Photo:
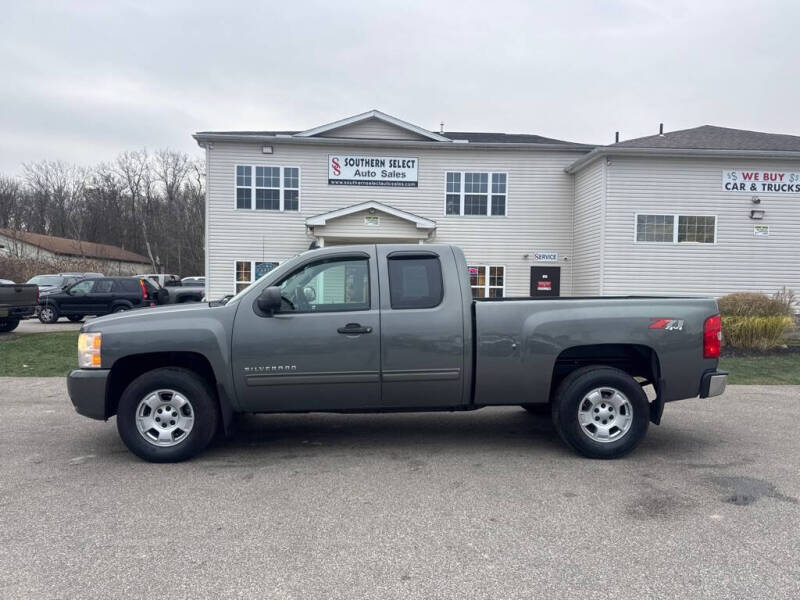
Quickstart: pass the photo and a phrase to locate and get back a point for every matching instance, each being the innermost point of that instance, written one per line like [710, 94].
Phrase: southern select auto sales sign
[388, 171]
[784, 182]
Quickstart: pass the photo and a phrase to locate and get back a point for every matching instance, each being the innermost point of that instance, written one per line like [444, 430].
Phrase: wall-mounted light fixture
[757, 214]
[756, 200]
[266, 149]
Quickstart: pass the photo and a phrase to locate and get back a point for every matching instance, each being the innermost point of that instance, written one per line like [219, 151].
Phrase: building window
[481, 193]
[487, 281]
[698, 230]
[244, 184]
[272, 188]
[691, 229]
[248, 271]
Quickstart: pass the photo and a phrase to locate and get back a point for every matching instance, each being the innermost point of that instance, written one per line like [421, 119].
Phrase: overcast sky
[83, 81]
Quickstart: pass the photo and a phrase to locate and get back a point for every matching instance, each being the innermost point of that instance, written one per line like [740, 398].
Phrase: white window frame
[236, 281]
[487, 286]
[676, 217]
[462, 187]
[253, 188]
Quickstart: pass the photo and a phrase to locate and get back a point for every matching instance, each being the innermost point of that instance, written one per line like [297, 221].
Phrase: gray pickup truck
[17, 301]
[393, 328]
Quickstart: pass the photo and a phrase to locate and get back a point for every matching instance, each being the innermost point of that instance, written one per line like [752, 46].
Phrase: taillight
[712, 337]
[144, 289]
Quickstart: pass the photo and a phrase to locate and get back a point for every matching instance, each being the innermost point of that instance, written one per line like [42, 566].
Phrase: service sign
[387, 171]
[782, 182]
[545, 256]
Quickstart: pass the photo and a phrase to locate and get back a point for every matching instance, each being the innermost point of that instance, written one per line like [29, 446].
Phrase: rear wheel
[167, 415]
[7, 325]
[601, 412]
[75, 318]
[120, 308]
[48, 314]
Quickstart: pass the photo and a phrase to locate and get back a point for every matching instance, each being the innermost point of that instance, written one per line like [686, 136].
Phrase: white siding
[373, 129]
[739, 261]
[588, 230]
[353, 227]
[539, 207]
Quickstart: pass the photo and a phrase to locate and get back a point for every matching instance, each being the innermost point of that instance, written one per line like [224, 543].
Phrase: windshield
[47, 280]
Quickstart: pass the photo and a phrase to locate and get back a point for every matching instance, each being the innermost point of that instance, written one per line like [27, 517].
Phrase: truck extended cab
[17, 301]
[393, 328]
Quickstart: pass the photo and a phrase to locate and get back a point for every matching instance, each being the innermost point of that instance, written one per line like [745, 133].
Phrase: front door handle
[354, 329]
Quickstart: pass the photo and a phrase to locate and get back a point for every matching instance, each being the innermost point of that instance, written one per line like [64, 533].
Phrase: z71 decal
[667, 324]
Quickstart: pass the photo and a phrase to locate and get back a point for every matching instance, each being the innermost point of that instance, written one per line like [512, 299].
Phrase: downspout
[603, 218]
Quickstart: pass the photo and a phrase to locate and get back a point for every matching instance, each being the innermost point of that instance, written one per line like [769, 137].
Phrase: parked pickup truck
[171, 290]
[17, 301]
[393, 328]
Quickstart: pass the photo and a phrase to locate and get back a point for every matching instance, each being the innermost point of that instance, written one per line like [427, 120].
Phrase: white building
[702, 211]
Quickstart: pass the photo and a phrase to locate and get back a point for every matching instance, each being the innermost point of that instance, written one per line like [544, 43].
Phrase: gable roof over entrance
[379, 116]
[420, 222]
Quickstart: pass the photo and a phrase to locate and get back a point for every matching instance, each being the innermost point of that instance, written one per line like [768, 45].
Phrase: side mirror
[269, 300]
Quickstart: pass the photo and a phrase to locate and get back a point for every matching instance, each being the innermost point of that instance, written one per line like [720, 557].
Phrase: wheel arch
[637, 360]
[128, 368]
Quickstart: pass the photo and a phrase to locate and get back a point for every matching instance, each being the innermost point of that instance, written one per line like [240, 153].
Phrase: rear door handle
[354, 329]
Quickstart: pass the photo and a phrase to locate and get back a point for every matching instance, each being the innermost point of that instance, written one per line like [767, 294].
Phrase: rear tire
[156, 393]
[75, 318]
[120, 308]
[48, 314]
[601, 412]
[7, 325]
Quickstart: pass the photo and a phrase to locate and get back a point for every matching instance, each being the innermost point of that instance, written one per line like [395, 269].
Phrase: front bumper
[87, 390]
[713, 383]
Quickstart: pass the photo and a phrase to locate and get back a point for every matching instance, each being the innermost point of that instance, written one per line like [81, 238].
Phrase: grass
[39, 354]
[55, 354]
[770, 370]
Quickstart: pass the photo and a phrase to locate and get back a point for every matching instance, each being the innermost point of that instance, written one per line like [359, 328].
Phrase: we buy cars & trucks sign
[784, 182]
[388, 171]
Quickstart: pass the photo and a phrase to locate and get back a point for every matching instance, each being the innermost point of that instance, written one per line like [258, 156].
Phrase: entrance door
[322, 348]
[545, 281]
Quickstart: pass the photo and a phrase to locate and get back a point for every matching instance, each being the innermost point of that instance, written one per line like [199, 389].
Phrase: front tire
[167, 415]
[601, 412]
[48, 314]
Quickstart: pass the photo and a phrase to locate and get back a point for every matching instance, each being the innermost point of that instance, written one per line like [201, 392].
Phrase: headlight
[89, 350]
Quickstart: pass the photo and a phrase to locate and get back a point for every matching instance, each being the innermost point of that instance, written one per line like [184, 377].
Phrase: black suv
[97, 297]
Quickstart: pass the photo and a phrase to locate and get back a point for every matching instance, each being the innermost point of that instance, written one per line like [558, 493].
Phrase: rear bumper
[713, 383]
[17, 312]
[87, 390]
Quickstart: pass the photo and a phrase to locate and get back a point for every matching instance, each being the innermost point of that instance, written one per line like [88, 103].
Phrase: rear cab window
[415, 281]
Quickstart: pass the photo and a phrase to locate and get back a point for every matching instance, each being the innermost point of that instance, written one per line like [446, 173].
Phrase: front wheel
[167, 415]
[48, 314]
[601, 412]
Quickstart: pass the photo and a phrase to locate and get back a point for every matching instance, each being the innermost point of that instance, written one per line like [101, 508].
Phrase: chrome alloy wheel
[164, 418]
[605, 414]
[46, 314]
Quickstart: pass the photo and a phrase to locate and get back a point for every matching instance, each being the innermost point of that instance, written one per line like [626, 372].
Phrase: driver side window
[335, 284]
[82, 288]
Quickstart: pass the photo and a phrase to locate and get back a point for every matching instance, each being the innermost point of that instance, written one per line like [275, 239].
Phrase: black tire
[203, 403]
[75, 318]
[572, 393]
[120, 308]
[540, 408]
[48, 314]
[7, 325]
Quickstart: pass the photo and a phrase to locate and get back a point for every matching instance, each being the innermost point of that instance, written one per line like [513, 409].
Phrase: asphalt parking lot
[36, 326]
[487, 504]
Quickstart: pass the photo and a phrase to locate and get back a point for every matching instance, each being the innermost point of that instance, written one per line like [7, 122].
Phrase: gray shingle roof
[476, 137]
[709, 137]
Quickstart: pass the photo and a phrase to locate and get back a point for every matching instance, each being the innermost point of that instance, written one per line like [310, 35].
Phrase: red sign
[544, 286]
